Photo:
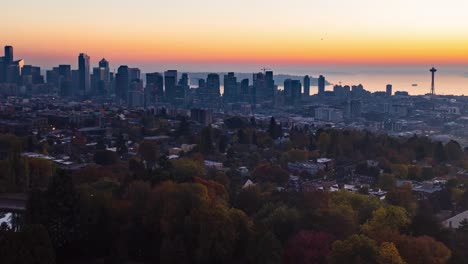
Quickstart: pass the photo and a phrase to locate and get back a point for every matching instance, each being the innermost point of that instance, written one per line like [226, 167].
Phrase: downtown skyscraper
[84, 77]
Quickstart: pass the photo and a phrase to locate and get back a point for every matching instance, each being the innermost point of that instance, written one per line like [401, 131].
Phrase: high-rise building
[263, 86]
[122, 82]
[33, 73]
[10, 70]
[213, 86]
[321, 85]
[231, 88]
[154, 87]
[389, 90]
[134, 74]
[64, 82]
[105, 64]
[8, 55]
[306, 86]
[170, 82]
[84, 78]
[292, 91]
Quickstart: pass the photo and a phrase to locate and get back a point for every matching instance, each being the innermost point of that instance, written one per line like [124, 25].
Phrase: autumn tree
[388, 254]
[307, 247]
[357, 249]
[266, 172]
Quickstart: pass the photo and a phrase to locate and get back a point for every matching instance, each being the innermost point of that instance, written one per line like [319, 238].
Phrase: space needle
[433, 71]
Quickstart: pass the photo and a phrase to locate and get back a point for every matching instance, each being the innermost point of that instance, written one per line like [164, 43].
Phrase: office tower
[321, 85]
[170, 82]
[389, 90]
[105, 65]
[33, 73]
[263, 86]
[231, 88]
[134, 74]
[99, 82]
[292, 91]
[75, 81]
[213, 84]
[2, 70]
[306, 86]
[122, 83]
[13, 71]
[65, 71]
[10, 70]
[184, 80]
[182, 90]
[201, 83]
[154, 87]
[270, 85]
[52, 77]
[64, 81]
[84, 78]
[8, 55]
[357, 91]
[259, 87]
[244, 90]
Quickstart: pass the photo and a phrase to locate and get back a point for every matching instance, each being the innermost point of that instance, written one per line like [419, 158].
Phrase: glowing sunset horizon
[266, 32]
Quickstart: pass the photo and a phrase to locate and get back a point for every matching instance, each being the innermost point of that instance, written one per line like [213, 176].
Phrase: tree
[249, 200]
[266, 172]
[386, 221]
[439, 153]
[105, 157]
[453, 150]
[206, 141]
[185, 169]
[307, 247]
[235, 122]
[149, 151]
[403, 197]
[281, 220]
[264, 249]
[62, 210]
[40, 171]
[388, 254]
[357, 249]
[422, 250]
[184, 129]
[387, 181]
[30, 245]
[274, 130]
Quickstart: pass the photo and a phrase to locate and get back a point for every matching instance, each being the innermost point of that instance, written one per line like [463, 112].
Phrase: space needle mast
[433, 71]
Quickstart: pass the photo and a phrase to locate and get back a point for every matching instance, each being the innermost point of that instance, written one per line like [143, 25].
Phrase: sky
[240, 32]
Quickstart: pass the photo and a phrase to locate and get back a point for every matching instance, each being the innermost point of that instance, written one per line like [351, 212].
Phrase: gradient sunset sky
[316, 32]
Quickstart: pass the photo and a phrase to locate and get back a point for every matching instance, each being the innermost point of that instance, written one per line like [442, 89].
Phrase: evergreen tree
[62, 210]
[206, 141]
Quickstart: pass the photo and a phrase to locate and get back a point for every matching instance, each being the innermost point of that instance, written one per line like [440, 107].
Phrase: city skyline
[255, 32]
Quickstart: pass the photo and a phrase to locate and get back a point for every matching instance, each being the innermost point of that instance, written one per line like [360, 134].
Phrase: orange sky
[255, 31]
